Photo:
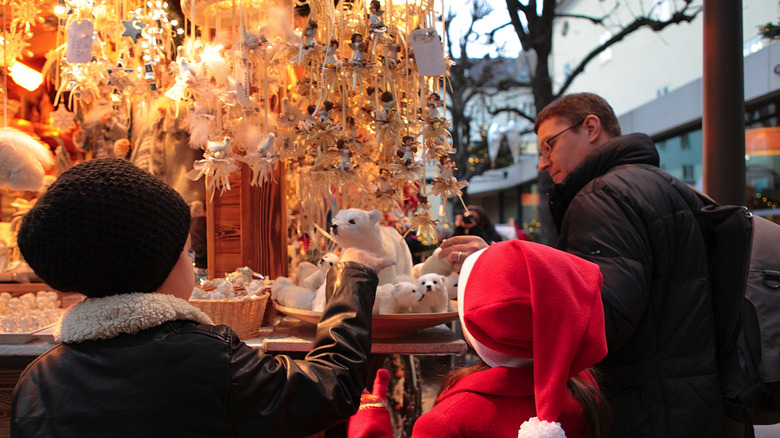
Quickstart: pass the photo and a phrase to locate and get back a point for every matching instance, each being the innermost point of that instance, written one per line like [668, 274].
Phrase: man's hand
[457, 248]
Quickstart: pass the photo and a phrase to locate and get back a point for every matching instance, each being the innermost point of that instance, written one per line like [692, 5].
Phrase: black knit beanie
[105, 227]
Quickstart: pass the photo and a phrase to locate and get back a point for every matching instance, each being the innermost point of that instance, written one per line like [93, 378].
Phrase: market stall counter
[285, 334]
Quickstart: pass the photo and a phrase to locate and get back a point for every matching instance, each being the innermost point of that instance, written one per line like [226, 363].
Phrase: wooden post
[247, 226]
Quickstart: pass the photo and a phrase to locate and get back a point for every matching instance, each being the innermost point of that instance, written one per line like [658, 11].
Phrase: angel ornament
[446, 184]
[375, 12]
[345, 170]
[359, 51]
[423, 222]
[435, 128]
[392, 49]
[405, 163]
[308, 42]
[387, 125]
[345, 165]
[358, 61]
[387, 197]
[332, 61]
[324, 112]
[433, 103]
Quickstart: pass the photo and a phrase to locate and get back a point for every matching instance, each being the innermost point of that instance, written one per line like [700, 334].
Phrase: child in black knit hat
[136, 359]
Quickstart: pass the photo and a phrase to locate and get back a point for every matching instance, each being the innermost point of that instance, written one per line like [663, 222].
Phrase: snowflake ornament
[13, 46]
[26, 14]
[62, 119]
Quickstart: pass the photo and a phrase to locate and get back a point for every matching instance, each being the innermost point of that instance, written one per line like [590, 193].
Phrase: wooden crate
[247, 226]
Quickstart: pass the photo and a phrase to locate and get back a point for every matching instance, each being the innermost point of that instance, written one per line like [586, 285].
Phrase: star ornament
[133, 29]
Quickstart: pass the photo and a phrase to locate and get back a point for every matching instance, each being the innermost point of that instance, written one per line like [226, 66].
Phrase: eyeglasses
[546, 148]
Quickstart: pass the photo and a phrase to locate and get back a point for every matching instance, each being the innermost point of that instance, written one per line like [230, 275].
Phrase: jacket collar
[108, 317]
[618, 151]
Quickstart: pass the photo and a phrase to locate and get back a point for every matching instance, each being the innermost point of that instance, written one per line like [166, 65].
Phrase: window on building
[685, 142]
[688, 174]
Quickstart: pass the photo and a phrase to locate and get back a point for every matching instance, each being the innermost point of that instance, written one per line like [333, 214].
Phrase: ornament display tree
[280, 112]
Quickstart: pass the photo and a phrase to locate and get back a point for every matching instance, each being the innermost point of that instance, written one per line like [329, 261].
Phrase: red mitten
[372, 419]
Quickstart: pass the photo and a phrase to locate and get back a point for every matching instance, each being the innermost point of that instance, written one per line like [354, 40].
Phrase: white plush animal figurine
[452, 285]
[355, 228]
[435, 298]
[317, 278]
[23, 160]
[285, 292]
[433, 264]
[396, 298]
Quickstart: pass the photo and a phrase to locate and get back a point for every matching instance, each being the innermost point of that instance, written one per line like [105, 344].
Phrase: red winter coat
[493, 402]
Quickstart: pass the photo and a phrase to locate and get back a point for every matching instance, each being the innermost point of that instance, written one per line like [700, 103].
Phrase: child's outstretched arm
[281, 396]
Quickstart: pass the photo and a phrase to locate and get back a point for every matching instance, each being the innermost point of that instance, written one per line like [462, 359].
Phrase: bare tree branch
[594, 20]
[640, 22]
[514, 110]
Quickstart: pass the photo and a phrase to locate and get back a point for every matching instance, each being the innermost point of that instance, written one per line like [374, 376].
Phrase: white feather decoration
[23, 160]
[213, 61]
[200, 127]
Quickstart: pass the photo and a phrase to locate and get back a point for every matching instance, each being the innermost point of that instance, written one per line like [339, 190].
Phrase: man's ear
[593, 128]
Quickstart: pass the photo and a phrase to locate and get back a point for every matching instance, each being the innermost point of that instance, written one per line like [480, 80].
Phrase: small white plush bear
[355, 228]
[433, 264]
[435, 298]
[396, 298]
[452, 285]
[285, 292]
[317, 278]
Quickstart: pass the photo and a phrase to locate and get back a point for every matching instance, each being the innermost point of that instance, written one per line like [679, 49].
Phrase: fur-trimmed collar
[107, 317]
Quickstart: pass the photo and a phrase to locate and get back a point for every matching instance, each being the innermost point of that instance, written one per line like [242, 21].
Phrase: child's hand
[366, 258]
[372, 419]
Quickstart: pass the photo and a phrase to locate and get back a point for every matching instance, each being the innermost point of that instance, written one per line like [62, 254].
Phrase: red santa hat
[519, 303]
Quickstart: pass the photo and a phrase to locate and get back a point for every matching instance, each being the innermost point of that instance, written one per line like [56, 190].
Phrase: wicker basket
[243, 316]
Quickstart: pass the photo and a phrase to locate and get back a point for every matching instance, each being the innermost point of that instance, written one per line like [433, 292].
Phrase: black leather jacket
[188, 379]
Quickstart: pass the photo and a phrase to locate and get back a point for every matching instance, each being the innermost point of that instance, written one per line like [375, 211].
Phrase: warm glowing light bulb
[60, 11]
[25, 76]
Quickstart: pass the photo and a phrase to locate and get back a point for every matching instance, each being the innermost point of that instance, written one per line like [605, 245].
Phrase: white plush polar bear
[316, 278]
[452, 285]
[396, 298]
[435, 298]
[433, 264]
[289, 294]
[355, 228]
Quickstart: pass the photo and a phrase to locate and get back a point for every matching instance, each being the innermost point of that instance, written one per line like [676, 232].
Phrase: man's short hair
[575, 107]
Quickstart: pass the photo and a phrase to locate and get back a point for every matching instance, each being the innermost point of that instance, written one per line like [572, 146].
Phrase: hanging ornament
[62, 119]
[217, 165]
[133, 29]
[262, 160]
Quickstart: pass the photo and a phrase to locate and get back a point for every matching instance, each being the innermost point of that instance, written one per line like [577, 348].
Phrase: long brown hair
[597, 411]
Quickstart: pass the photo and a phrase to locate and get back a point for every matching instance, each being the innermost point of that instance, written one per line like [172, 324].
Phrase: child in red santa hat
[534, 315]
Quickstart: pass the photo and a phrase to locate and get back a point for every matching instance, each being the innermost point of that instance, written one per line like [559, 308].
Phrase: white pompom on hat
[520, 302]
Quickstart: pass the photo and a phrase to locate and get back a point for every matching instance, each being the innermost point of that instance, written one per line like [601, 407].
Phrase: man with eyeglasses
[614, 206]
